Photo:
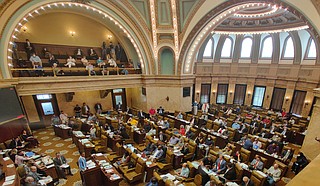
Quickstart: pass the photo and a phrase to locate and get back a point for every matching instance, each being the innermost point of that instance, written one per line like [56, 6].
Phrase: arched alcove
[166, 61]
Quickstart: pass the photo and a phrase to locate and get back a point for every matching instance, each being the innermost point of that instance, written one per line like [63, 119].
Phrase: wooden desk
[149, 170]
[92, 177]
[177, 159]
[9, 171]
[86, 148]
[106, 177]
[296, 138]
[75, 139]
[85, 127]
[112, 143]
[138, 137]
[63, 133]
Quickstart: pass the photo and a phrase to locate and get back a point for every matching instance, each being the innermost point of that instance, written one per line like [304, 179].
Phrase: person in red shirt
[152, 111]
[182, 130]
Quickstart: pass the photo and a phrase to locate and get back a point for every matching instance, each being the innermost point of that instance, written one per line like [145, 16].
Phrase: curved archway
[166, 61]
[200, 30]
[95, 10]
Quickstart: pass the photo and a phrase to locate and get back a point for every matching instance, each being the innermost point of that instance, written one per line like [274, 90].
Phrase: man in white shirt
[274, 174]
[64, 118]
[157, 153]
[36, 61]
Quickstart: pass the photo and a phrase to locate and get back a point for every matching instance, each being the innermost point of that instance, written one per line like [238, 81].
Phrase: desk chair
[137, 174]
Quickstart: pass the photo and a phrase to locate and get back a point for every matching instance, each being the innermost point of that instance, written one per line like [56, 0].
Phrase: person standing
[82, 162]
[98, 108]
[29, 48]
[104, 50]
[77, 110]
[85, 109]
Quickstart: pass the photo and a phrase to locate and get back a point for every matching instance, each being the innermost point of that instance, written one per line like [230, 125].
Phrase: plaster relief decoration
[305, 73]
[283, 72]
[263, 70]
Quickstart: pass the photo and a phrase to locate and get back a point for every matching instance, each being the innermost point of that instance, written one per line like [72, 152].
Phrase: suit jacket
[27, 48]
[230, 174]
[15, 144]
[97, 106]
[60, 161]
[140, 115]
[259, 166]
[204, 174]
[164, 138]
[223, 166]
[84, 110]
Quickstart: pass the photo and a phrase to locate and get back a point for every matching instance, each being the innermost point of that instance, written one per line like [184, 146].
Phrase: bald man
[184, 171]
[33, 173]
[246, 182]
[274, 174]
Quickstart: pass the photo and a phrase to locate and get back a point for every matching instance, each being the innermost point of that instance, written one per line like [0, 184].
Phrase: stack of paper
[114, 177]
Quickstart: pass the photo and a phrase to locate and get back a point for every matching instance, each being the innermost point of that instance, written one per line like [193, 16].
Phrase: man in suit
[220, 165]
[140, 114]
[29, 48]
[246, 182]
[230, 173]
[98, 108]
[16, 143]
[85, 109]
[160, 111]
[33, 173]
[256, 164]
[162, 137]
[58, 161]
[158, 153]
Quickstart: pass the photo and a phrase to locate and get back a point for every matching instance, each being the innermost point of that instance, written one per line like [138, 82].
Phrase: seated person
[248, 144]
[109, 127]
[100, 62]
[286, 155]
[84, 61]
[220, 165]
[182, 130]
[157, 154]
[125, 159]
[70, 62]
[236, 126]
[256, 163]
[273, 149]
[227, 150]
[230, 173]
[46, 53]
[166, 124]
[237, 157]
[208, 162]
[16, 143]
[36, 61]
[300, 163]
[78, 53]
[209, 141]
[162, 137]
[173, 140]
[112, 62]
[55, 120]
[151, 132]
[246, 182]
[274, 174]
[184, 171]
[92, 54]
[29, 138]
[92, 118]
[33, 173]
[52, 61]
[153, 182]
[93, 132]
[179, 116]
[150, 147]
[256, 145]
[20, 158]
[147, 127]
[185, 149]
[190, 134]
[223, 131]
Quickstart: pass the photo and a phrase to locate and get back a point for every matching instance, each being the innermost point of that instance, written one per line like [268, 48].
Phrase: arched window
[311, 50]
[267, 47]
[246, 47]
[208, 51]
[226, 49]
[288, 51]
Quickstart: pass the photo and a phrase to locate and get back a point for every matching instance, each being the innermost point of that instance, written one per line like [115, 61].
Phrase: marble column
[311, 147]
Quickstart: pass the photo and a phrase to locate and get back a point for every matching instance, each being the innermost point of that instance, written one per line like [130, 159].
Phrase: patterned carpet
[51, 144]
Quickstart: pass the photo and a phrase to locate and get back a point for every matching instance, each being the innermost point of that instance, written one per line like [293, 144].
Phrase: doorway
[119, 100]
[47, 106]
